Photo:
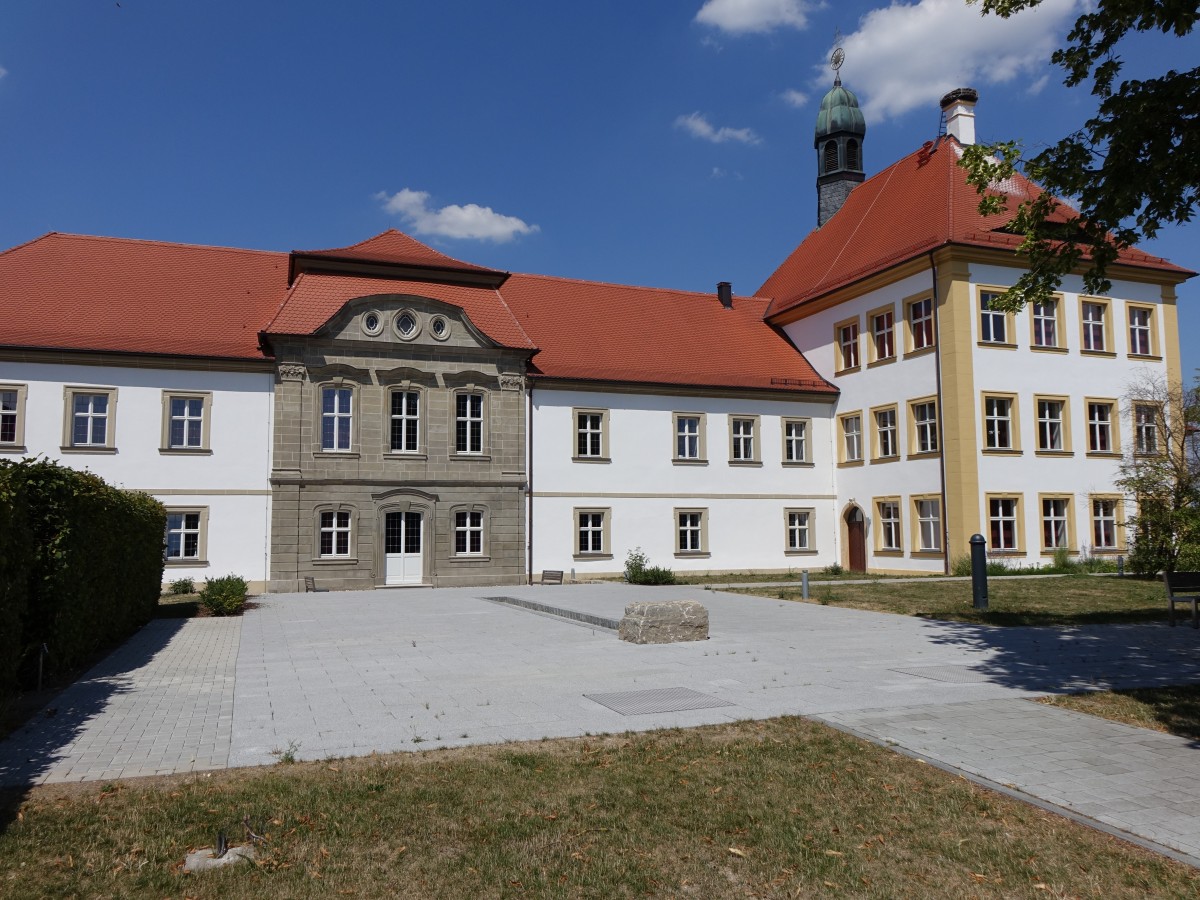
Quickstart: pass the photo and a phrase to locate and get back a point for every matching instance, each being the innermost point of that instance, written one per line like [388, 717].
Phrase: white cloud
[470, 222]
[697, 125]
[909, 55]
[794, 98]
[751, 16]
[3, 71]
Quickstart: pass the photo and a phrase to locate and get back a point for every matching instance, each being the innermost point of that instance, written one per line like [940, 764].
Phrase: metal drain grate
[948, 674]
[657, 700]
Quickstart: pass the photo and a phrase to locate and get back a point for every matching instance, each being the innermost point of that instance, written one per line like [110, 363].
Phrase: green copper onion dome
[839, 114]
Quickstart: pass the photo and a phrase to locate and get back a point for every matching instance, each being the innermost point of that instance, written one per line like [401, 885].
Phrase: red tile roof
[315, 298]
[74, 292]
[915, 205]
[395, 247]
[609, 332]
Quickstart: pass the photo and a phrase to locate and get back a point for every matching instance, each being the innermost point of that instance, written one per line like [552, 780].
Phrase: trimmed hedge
[81, 565]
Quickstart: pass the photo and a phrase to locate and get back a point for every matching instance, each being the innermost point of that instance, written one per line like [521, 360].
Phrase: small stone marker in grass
[664, 622]
[206, 859]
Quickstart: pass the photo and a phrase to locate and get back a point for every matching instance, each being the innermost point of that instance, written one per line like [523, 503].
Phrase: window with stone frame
[888, 512]
[333, 535]
[1003, 522]
[920, 322]
[1100, 427]
[404, 421]
[468, 532]
[925, 427]
[468, 422]
[337, 416]
[795, 440]
[799, 530]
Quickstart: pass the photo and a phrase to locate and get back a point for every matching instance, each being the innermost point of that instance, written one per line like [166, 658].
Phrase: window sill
[1146, 357]
[590, 459]
[928, 454]
[335, 454]
[751, 463]
[679, 461]
[1039, 349]
[797, 464]
[876, 363]
[585, 557]
[401, 456]
[799, 552]
[1001, 451]
[470, 457]
[927, 554]
[920, 351]
[180, 563]
[1107, 354]
[335, 560]
[1007, 551]
[12, 448]
[881, 460]
[850, 464]
[1103, 454]
[108, 450]
[692, 554]
[469, 558]
[896, 554]
[847, 371]
[185, 451]
[996, 345]
[1107, 551]
[1049, 552]
[1055, 453]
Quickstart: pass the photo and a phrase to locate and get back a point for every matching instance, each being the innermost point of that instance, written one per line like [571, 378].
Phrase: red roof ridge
[110, 239]
[635, 287]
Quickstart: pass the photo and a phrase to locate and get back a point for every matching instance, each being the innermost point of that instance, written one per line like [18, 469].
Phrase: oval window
[440, 328]
[371, 323]
[406, 324]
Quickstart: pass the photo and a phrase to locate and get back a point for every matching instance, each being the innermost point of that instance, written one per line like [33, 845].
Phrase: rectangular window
[1056, 532]
[689, 437]
[1140, 331]
[405, 422]
[592, 532]
[798, 535]
[795, 440]
[852, 438]
[1045, 324]
[12, 416]
[1145, 428]
[889, 525]
[468, 533]
[1104, 523]
[187, 423]
[887, 444]
[1002, 522]
[883, 335]
[468, 423]
[929, 524]
[335, 533]
[1050, 425]
[1100, 427]
[690, 531]
[993, 323]
[920, 323]
[1092, 321]
[925, 430]
[741, 434]
[589, 434]
[998, 424]
[183, 536]
[89, 420]
[847, 338]
[336, 417]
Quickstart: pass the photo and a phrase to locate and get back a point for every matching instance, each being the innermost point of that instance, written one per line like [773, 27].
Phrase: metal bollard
[1120, 567]
[804, 584]
[979, 595]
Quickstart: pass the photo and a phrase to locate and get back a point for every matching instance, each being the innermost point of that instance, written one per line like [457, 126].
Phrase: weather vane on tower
[839, 56]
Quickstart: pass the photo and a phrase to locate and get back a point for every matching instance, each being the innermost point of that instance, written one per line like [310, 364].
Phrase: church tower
[839, 145]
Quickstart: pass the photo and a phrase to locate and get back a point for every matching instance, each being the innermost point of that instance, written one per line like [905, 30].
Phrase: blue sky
[665, 143]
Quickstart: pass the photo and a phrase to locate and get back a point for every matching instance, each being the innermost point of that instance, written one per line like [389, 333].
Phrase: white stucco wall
[642, 486]
[231, 481]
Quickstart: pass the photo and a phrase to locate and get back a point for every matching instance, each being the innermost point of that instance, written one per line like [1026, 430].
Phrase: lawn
[1175, 710]
[782, 808]
[1065, 600]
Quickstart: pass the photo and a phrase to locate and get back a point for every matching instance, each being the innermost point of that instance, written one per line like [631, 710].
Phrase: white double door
[403, 540]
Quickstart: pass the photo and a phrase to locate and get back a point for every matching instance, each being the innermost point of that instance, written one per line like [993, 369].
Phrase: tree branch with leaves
[1132, 168]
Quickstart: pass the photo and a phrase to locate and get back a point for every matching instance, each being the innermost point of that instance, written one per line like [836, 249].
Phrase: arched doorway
[856, 539]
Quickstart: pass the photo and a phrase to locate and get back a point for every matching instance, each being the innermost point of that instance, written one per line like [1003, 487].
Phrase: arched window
[831, 157]
[853, 163]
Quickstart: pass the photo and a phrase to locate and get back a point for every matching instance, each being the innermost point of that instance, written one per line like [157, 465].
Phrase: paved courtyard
[337, 674]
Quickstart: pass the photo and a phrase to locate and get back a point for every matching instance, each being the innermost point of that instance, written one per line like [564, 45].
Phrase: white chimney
[958, 112]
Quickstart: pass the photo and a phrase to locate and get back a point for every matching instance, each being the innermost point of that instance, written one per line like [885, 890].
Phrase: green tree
[1161, 470]
[1132, 168]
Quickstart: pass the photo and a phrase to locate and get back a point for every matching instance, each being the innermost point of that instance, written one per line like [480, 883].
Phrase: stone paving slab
[1133, 779]
[161, 703]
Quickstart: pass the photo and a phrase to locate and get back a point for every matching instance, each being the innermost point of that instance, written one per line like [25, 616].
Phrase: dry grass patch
[1175, 710]
[1065, 600]
[783, 808]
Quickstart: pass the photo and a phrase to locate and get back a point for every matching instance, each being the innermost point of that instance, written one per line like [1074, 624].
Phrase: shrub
[224, 596]
[183, 586]
[835, 569]
[961, 566]
[639, 571]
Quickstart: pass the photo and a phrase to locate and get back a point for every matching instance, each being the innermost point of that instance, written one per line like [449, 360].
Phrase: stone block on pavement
[664, 622]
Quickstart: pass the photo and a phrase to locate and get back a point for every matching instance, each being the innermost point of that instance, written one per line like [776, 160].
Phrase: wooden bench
[310, 586]
[551, 576]
[1183, 587]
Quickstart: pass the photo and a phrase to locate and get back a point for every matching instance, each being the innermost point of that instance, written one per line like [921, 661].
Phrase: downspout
[529, 488]
[937, 362]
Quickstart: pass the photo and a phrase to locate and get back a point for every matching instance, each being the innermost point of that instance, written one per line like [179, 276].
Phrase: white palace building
[383, 414]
